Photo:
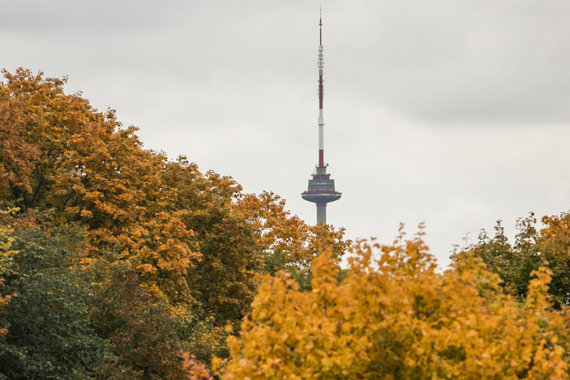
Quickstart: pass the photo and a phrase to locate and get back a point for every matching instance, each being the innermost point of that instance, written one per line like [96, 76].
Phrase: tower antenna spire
[321, 64]
[321, 187]
[321, 26]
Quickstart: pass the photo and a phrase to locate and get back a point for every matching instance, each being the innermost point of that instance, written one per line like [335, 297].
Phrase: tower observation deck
[321, 188]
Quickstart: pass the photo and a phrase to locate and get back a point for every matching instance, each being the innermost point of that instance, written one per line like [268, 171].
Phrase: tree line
[118, 263]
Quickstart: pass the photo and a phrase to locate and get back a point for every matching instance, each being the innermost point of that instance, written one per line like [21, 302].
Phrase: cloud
[450, 112]
[441, 62]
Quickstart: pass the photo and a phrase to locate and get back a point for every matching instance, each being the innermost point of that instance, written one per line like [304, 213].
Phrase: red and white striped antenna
[321, 90]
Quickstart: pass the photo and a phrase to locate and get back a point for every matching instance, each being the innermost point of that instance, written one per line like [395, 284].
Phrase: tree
[532, 248]
[60, 154]
[143, 334]
[49, 336]
[286, 242]
[554, 247]
[224, 278]
[240, 237]
[394, 316]
[195, 243]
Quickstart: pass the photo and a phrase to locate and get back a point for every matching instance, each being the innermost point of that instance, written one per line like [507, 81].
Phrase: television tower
[321, 187]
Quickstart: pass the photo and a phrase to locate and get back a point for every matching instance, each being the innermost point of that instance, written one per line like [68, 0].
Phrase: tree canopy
[393, 316]
[188, 248]
[117, 262]
[533, 246]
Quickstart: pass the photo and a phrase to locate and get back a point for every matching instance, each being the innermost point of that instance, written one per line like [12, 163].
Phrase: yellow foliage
[285, 234]
[6, 254]
[394, 316]
[6, 239]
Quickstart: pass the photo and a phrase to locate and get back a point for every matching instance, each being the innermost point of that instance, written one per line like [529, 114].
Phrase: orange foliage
[194, 369]
[285, 234]
[90, 171]
[194, 238]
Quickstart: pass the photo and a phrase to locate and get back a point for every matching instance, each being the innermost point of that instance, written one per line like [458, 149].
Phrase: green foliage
[142, 333]
[532, 248]
[48, 336]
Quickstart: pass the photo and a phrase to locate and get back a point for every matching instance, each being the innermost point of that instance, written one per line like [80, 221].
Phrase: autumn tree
[195, 243]
[91, 172]
[125, 264]
[286, 242]
[240, 237]
[193, 237]
[532, 247]
[224, 278]
[394, 316]
[554, 250]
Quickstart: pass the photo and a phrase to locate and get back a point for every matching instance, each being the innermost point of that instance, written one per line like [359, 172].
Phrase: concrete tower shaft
[321, 188]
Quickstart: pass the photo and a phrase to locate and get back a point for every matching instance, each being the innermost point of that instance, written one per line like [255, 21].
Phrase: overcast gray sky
[452, 113]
